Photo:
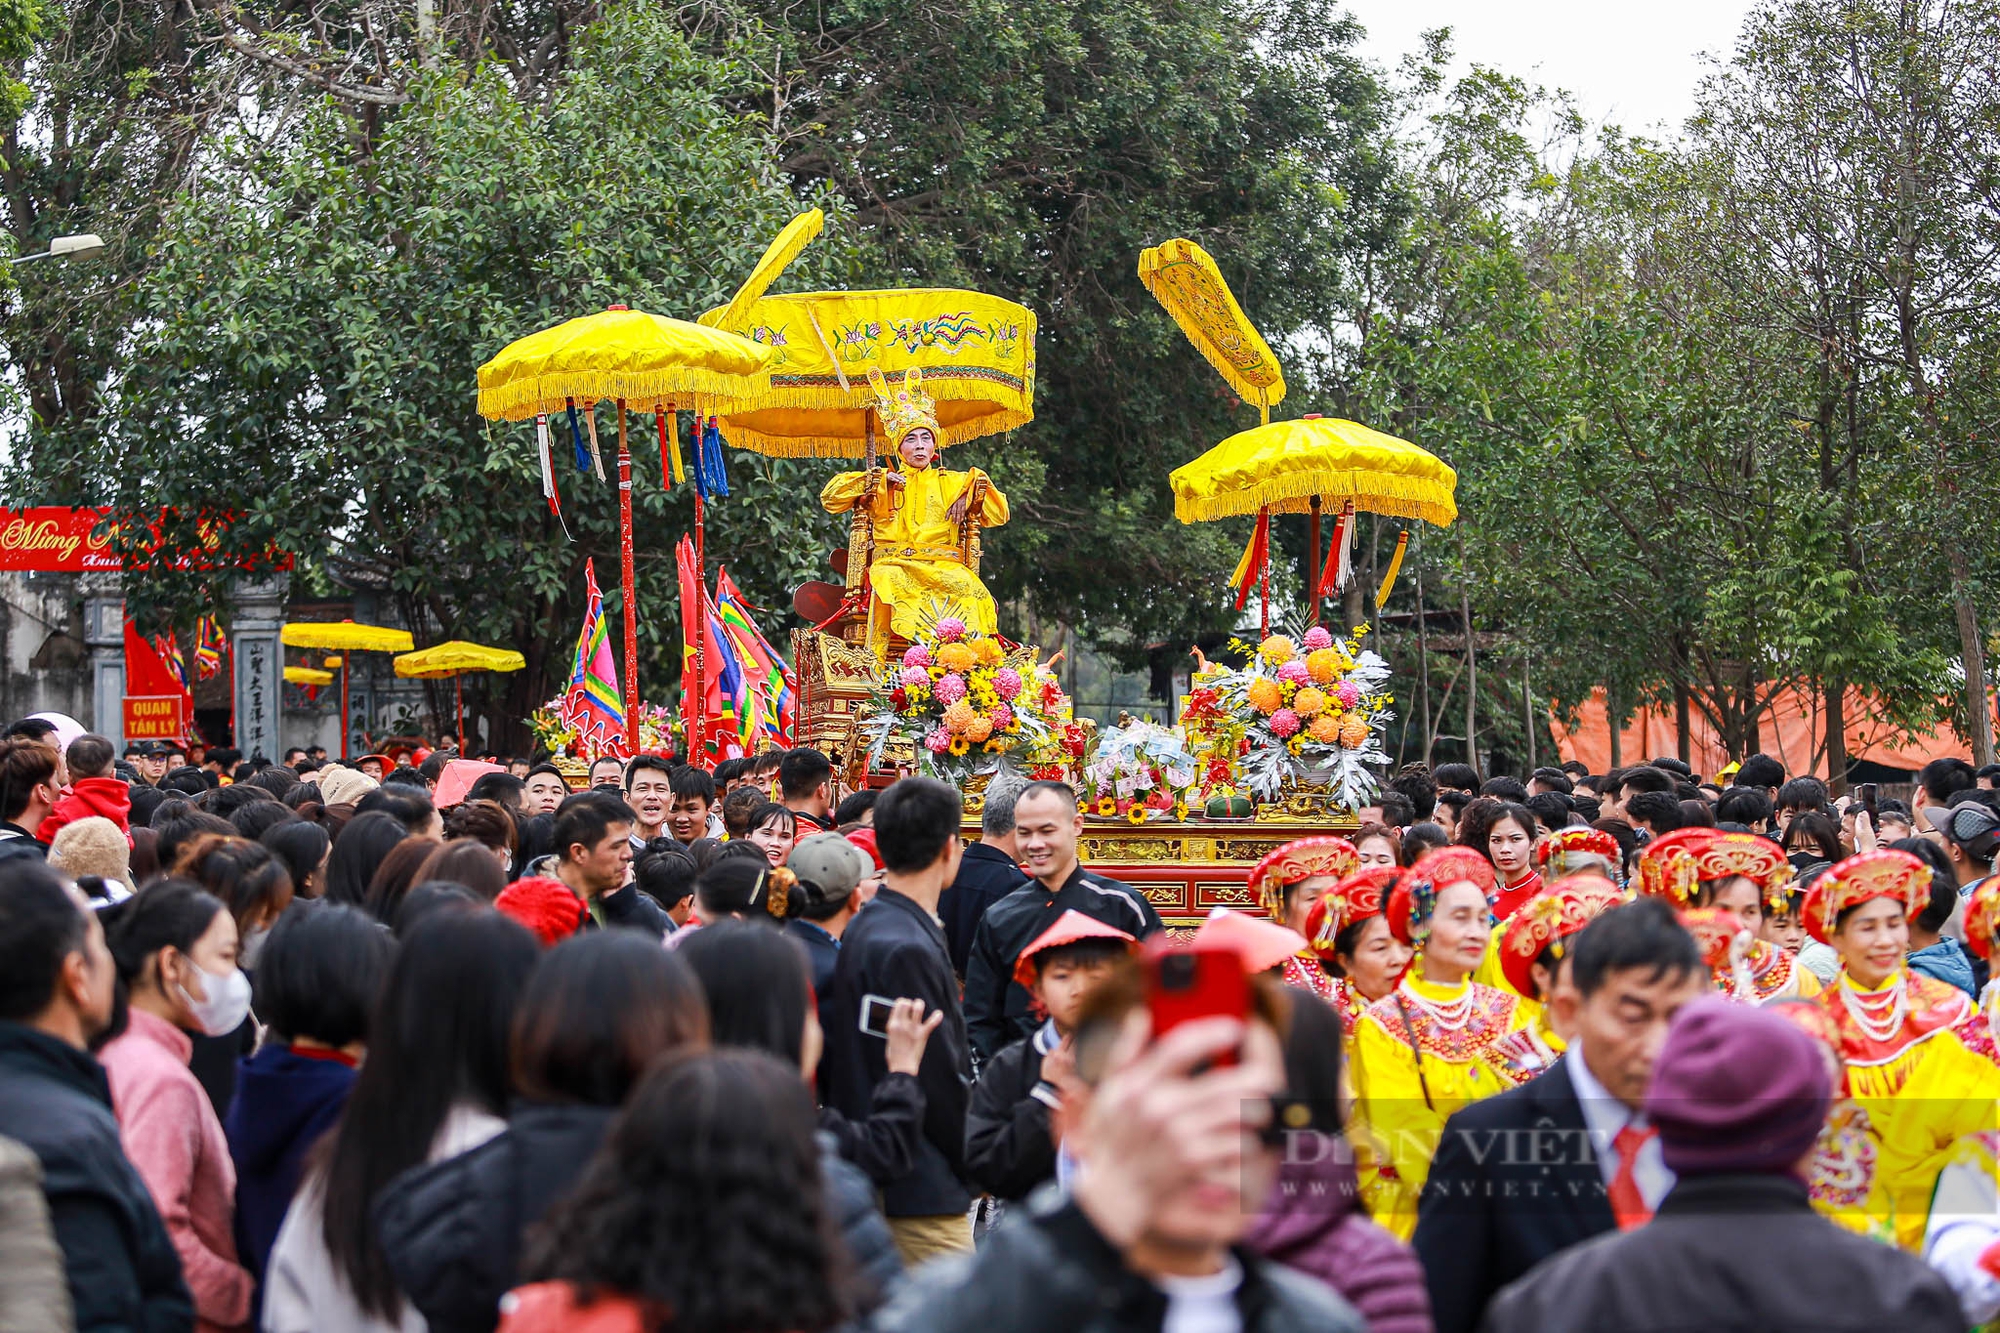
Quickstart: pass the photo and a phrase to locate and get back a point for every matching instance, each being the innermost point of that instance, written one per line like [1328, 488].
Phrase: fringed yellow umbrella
[345, 636]
[1184, 279]
[977, 354]
[455, 658]
[1295, 467]
[634, 358]
[313, 676]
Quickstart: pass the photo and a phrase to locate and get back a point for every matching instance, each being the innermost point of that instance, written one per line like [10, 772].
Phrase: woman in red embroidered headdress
[1920, 1056]
[1288, 883]
[1351, 943]
[1429, 1046]
[1723, 884]
[1580, 851]
[1533, 944]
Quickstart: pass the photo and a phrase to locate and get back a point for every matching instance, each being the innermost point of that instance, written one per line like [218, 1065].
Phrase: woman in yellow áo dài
[1919, 1056]
[1351, 943]
[1429, 1047]
[918, 572]
[1844, 1177]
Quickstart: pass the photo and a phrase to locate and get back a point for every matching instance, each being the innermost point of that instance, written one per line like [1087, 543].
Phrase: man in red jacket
[94, 789]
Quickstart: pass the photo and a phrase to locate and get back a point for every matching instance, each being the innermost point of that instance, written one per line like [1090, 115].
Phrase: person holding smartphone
[896, 950]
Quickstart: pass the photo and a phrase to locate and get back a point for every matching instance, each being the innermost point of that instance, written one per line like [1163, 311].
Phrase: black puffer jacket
[1048, 1268]
[452, 1230]
[123, 1272]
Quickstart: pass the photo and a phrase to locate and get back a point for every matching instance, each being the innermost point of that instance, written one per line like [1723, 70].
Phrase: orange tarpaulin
[1791, 730]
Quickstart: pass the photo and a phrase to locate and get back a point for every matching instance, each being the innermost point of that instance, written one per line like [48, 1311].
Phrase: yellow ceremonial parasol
[346, 636]
[630, 357]
[1287, 465]
[619, 354]
[298, 675]
[1294, 467]
[1184, 279]
[455, 658]
[977, 354]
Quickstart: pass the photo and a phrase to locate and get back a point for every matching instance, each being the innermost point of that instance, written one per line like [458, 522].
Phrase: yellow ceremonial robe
[917, 570]
[1404, 1096]
[1932, 1082]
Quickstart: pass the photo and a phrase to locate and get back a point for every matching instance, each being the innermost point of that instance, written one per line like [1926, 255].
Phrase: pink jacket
[171, 1133]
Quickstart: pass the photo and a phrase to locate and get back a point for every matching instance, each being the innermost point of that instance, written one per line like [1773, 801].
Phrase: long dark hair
[601, 1007]
[357, 850]
[252, 880]
[301, 845]
[438, 1037]
[758, 983]
[705, 1201]
[393, 878]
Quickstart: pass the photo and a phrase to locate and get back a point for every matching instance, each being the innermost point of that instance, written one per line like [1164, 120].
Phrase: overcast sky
[1636, 65]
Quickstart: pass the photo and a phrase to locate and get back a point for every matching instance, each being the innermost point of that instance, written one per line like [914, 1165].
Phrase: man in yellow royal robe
[918, 572]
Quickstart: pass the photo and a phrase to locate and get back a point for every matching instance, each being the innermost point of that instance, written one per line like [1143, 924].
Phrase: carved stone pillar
[260, 662]
[104, 636]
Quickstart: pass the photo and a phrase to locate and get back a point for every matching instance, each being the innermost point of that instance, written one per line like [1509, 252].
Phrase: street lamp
[67, 247]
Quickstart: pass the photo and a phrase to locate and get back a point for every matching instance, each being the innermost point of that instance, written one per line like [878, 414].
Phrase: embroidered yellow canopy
[1283, 465]
[346, 636]
[1183, 278]
[456, 657]
[618, 353]
[977, 354]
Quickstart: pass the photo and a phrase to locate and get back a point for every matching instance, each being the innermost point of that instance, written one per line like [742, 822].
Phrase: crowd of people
[373, 1046]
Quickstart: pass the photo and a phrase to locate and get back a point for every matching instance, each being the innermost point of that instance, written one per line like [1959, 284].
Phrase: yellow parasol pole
[626, 582]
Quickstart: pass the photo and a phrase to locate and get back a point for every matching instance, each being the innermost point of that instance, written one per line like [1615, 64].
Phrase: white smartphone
[875, 1015]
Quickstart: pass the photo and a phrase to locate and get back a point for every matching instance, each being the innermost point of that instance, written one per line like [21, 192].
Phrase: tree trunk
[1528, 710]
[1424, 664]
[1683, 741]
[1611, 725]
[1471, 665]
[1978, 714]
[1836, 736]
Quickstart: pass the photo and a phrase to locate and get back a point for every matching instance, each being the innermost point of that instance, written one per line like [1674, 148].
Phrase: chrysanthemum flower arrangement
[967, 704]
[1301, 714]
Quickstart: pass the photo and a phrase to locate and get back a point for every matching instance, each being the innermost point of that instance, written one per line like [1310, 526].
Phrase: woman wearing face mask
[1432, 1045]
[255, 884]
[175, 947]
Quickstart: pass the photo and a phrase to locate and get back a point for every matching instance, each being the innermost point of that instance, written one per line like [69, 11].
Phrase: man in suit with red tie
[1569, 1154]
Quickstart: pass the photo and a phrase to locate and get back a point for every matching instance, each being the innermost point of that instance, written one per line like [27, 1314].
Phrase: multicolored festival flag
[210, 643]
[716, 722]
[773, 692]
[168, 646]
[592, 705]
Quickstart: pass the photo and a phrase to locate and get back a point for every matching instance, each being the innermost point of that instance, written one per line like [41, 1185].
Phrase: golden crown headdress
[905, 409]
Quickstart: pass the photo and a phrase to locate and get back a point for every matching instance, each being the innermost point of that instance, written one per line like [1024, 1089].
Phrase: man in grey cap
[830, 871]
[1971, 832]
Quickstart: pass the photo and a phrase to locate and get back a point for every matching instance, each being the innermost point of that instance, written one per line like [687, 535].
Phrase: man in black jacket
[1172, 1170]
[1047, 824]
[986, 874]
[1739, 1099]
[56, 982]
[593, 860]
[30, 783]
[895, 949]
[1554, 1162]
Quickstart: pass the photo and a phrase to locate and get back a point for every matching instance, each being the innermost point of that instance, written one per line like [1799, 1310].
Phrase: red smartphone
[1190, 981]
